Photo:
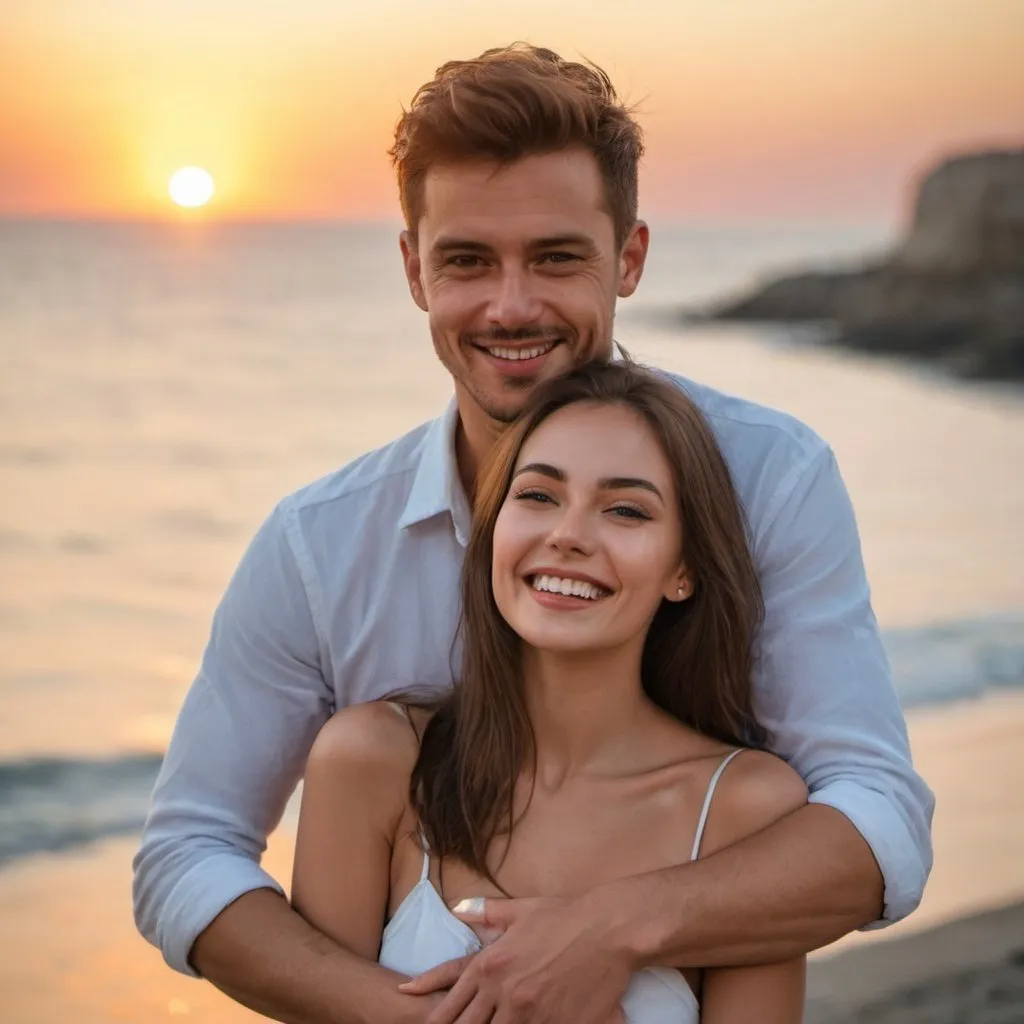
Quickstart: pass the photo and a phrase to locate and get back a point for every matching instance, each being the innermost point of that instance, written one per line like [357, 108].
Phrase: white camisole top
[424, 933]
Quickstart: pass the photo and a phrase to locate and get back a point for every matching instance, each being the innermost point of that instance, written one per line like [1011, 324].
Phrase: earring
[680, 592]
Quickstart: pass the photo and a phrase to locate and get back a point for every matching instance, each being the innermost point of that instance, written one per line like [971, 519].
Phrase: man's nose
[514, 303]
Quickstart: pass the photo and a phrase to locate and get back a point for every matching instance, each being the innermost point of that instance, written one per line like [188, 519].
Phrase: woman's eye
[538, 496]
[629, 512]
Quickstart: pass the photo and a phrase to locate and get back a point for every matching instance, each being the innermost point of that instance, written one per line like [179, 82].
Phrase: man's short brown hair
[513, 102]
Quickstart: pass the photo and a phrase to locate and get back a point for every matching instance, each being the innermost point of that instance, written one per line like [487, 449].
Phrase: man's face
[519, 272]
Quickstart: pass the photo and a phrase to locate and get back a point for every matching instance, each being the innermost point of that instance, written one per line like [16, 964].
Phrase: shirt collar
[436, 488]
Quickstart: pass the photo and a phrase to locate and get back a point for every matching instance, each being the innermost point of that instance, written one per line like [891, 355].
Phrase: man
[518, 178]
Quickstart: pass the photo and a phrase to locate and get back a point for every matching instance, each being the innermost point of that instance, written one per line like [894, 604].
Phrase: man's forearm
[799, 884]
[262, 954]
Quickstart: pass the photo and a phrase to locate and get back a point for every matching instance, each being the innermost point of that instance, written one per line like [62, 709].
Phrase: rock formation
[953, 289]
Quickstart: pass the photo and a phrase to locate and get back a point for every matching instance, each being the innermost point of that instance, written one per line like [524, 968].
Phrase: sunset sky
[753, 109]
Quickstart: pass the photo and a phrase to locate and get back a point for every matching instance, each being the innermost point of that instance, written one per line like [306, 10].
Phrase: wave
[53, 804]
[957, 660]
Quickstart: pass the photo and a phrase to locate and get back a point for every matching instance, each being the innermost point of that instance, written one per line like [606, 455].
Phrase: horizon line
[200, 223]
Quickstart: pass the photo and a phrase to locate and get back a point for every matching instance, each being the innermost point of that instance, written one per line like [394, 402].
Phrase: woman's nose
[572, 533]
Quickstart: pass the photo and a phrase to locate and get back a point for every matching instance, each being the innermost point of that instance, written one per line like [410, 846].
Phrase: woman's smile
[565, 591]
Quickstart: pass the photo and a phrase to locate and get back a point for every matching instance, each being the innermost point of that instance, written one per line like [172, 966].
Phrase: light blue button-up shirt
[350, 591]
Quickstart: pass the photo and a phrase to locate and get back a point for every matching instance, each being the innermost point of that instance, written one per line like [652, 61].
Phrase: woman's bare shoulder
[755, 790]
[376, 737]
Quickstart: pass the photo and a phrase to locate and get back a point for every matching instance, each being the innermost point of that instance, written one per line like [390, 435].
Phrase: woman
[610, 602]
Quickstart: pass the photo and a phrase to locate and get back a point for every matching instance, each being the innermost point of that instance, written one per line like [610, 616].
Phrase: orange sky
[753, 108]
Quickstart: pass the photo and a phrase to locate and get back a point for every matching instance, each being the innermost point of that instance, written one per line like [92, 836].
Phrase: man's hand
[552, 963]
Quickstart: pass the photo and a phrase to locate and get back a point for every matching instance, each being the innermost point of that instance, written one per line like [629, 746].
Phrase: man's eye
[464, 262]
[559, 257]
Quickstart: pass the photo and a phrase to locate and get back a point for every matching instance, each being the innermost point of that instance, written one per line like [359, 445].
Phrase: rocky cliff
[953, 290]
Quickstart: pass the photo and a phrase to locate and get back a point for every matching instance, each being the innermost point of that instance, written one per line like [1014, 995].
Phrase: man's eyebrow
[544, 469]
[449, 243]
[554, 241]
[610, 483]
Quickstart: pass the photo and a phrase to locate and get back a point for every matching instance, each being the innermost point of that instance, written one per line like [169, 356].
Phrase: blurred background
[202, 308]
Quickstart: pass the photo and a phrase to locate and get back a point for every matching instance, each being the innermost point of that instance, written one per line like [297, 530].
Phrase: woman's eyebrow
[544, 469]
[610, 483]
[620, 483]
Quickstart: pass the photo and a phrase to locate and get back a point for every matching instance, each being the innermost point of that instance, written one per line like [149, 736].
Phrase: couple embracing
[582, 677]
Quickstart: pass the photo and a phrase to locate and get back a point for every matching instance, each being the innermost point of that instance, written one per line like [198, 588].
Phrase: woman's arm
[353, 799]
[756, 790]
[772, 994]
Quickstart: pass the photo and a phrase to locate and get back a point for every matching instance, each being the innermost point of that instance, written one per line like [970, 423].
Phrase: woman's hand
[551, 963]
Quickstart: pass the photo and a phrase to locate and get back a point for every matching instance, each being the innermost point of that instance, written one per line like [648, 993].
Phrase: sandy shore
[970, 971]
[68, 950]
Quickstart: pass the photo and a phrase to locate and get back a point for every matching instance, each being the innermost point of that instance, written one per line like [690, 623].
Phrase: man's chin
[506, 414]
[508, 407]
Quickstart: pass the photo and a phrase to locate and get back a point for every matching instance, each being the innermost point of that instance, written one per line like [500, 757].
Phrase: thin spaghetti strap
[703, 820]
[402, 710]
[425, 872]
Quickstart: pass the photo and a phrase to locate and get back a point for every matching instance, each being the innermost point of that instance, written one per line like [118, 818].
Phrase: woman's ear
[680, 587]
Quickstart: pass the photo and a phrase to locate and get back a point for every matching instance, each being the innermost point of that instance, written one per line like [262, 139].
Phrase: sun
[191, 186]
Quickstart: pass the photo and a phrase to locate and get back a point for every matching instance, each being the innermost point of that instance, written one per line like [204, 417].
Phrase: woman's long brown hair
[698, 656]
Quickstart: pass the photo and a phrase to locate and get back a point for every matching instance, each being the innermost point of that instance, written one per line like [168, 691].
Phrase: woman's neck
[582, 708]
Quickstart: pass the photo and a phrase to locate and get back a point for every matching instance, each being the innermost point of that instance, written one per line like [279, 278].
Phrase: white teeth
[568, 587]
[516, 354]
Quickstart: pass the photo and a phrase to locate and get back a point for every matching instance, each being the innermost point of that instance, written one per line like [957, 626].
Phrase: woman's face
[588, 539]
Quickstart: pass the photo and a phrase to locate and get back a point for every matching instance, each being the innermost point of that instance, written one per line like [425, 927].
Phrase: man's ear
[632, 259]
[413, 269]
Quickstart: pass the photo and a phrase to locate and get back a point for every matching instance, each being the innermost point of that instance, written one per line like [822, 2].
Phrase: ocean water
[162, 386]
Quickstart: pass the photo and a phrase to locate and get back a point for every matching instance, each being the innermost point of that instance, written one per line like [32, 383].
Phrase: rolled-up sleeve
[238, 748]
[824, 687]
